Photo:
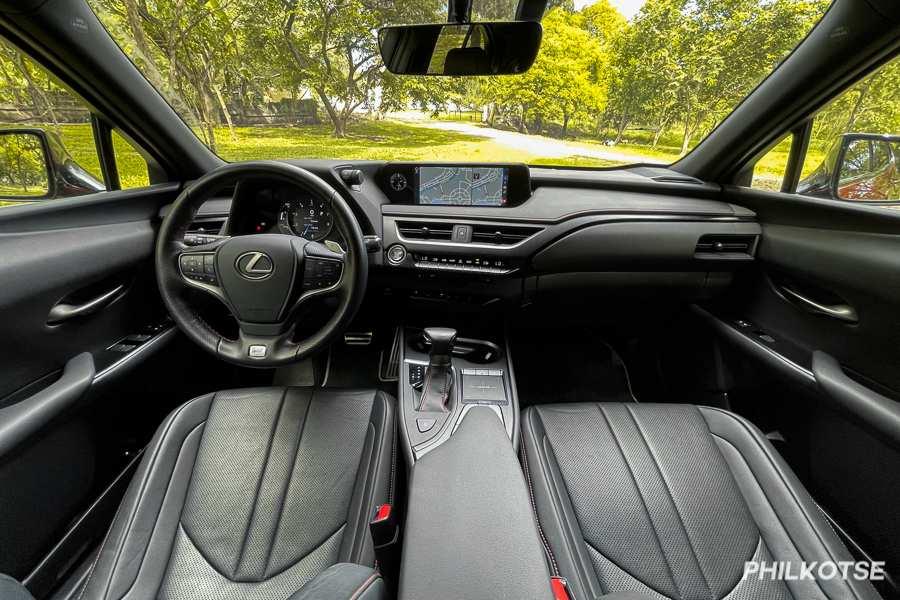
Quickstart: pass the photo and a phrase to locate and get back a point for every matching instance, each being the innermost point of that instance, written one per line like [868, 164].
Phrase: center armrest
[470, 530]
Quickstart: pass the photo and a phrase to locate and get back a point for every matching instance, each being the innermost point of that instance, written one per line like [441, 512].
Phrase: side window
[769, 171]
[850, 148]
[48, 147]
[854, 145]
[130, 164]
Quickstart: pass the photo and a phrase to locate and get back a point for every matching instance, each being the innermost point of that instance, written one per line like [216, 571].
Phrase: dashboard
[481, 229]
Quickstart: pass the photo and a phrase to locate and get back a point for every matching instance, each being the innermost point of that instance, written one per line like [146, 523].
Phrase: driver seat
[251, 494]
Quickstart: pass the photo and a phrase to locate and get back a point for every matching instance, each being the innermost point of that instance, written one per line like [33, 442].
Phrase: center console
[443, 375]
[470, 531]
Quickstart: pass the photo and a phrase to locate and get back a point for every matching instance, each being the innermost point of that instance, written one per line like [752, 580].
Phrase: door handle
[65, 311]
[841, 312]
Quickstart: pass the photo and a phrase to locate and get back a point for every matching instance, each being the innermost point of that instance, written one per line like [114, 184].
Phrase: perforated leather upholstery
[250, 494]
[669, 501]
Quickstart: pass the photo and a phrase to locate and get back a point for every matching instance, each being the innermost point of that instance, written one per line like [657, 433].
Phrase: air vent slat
[498, 235]
[723, 246]
[208, 226]
[425, 230]
[502, 235]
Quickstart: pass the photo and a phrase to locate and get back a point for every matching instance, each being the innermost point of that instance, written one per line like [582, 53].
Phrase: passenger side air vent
[425, 230]
[726, 247]
[502, 235]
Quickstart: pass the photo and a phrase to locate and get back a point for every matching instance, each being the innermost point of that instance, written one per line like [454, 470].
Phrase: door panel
[858, 268]
[44, 268]
[58, 448]
[827, 293]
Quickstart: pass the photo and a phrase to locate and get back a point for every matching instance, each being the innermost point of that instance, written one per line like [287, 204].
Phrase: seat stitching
[268, 576]
[778, 472]
[365, 499]
[377, 450]
[369, 475]
[740, 580]
[365, 586]
[539, 442]
[289, 479]
[393, 454]
[137, 502]
[97, 558]
[559, 489]
[262, 476]
[643, 504]
[537, 519]
[166, 493]
[775, 512]
[624, 570]
[672, 498]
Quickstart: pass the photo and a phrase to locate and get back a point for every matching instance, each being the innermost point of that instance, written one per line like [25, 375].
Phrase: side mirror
[868, 168]
[24, 165]
[504, 48]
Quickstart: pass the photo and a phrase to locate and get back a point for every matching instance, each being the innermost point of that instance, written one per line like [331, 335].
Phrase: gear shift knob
[441, 351]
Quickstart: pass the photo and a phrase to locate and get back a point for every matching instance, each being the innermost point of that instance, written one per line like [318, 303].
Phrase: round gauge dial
[398, 182]
[310, 218]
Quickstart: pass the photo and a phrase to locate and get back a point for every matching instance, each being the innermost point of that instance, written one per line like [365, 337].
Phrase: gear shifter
[439, 374]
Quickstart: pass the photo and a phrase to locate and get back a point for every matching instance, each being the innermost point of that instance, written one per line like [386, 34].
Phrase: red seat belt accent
[560, 591]
[383, 514]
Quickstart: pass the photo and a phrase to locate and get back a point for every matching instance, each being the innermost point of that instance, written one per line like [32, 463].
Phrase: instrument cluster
[290, 210]
[307, 217]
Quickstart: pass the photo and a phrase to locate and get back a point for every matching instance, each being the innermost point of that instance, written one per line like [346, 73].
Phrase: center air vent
[425, 230]
[718, 246]
[502, 235]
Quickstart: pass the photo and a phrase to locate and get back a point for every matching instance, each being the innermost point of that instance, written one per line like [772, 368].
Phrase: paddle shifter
[439, 374]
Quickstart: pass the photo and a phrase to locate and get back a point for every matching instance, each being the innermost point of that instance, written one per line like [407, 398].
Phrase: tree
[331, 48]
[689, 62]
[190, 51]
[566, 81]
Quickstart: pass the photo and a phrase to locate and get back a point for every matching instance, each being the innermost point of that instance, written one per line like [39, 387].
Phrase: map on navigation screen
[463, 186]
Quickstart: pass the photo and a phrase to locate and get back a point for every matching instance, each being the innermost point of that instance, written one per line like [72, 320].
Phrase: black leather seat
[669, 501]
[251, 494]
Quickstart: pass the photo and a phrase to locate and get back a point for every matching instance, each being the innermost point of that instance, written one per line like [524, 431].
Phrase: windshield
[615, 82]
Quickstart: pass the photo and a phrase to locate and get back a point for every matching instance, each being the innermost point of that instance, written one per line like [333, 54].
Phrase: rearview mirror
[868, 168]
[24, 171]
[505, 48]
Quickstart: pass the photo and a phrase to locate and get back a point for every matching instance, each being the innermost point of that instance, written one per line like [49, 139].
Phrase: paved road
[536, 144]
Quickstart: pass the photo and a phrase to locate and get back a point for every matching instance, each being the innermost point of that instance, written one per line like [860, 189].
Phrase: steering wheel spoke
[197, 267]
[257, 345]
[323, 272]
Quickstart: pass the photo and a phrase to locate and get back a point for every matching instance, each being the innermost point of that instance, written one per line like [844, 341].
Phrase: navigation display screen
[463, 186]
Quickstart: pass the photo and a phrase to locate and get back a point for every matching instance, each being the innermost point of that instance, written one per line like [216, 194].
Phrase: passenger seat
[666, 501]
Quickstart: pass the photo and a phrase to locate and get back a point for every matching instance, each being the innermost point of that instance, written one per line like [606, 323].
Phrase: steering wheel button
[257, 351]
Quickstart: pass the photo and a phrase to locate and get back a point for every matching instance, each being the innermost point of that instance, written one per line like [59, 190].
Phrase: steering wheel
[264, 278]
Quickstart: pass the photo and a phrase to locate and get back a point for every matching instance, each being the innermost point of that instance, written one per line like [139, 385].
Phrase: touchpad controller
[483, 386]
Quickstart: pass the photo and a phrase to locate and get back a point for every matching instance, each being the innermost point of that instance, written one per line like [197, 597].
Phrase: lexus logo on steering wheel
[254, 265]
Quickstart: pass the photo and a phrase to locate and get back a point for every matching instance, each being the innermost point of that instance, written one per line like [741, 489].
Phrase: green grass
[394, 140]
[769, 171]
[79, 141]
[369, 140]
